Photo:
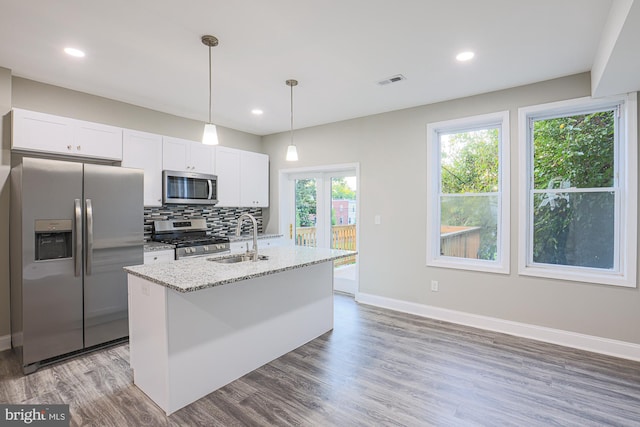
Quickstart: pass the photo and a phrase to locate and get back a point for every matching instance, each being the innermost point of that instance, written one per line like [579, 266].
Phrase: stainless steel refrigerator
[73, 227]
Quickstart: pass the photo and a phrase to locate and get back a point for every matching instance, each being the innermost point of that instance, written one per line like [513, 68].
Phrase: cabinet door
[228, 171]
[157, 257]
[41, 132]
[202, 157]
[269, 242]
[144, 151]
[97, 140]
[254, 173]
[187, 156]
[46, 133]
[175, 154]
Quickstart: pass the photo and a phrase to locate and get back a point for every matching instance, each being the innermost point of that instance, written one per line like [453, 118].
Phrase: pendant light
[292, 152]
[210, 134]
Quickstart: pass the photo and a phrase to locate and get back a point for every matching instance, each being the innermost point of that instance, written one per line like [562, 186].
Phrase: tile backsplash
[221, 221]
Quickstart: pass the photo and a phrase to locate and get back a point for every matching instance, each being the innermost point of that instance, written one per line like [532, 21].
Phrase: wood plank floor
[376, 368]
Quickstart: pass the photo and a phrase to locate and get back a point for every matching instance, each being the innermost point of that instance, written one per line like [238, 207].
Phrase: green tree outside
[305, 202]
[469, 180]
[574, 228]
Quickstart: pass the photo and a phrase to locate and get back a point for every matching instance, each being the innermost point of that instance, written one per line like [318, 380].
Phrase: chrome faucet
[254, 252]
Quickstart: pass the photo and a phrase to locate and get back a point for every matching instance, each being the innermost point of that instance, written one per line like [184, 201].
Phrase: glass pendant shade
[210, 135]
[292, 154]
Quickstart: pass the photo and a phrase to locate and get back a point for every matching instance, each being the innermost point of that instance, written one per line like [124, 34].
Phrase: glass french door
[323, 213]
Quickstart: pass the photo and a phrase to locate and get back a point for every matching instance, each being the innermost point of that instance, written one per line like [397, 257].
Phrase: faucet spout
[254, 224]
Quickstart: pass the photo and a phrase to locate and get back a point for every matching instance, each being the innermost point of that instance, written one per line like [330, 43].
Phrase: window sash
[435, 131]
[624, 191]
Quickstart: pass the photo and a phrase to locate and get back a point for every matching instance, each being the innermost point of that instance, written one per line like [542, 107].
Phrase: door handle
[210, 189]
[290, 231]
[77, 230]
[89, 255]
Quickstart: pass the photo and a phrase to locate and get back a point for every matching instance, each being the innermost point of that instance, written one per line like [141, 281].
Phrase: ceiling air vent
[392, 79]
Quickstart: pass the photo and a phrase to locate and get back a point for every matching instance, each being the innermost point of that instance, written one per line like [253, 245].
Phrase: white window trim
[434, 259]
[627, 175]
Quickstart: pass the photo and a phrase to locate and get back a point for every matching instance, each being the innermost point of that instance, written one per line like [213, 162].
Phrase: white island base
[184, 346]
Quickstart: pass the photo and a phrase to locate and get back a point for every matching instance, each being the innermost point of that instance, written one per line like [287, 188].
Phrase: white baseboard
[592, 343]
[5, 342]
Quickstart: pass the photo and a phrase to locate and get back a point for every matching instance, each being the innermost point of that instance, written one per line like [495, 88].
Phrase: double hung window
[578, 190]
[468, 193]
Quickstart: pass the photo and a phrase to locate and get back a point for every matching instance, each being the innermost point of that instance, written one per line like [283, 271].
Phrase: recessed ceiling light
[465, 56]
[257, 112]
[74, 52]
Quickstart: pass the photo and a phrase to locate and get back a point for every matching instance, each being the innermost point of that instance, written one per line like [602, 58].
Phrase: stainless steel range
[189, 236]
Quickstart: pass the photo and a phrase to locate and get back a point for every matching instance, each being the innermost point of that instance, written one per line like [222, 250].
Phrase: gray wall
[30, 95]
[391, 149]
[36, 96]
[5, 166]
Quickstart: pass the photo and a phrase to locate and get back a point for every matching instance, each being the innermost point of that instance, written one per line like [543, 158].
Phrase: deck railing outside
[342, 237]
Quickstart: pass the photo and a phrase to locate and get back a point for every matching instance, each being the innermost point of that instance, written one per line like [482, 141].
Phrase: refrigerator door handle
[210, 189]
[89, 230]
[78, 237]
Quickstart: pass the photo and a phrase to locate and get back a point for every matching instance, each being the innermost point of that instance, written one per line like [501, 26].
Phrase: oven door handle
[210, 189]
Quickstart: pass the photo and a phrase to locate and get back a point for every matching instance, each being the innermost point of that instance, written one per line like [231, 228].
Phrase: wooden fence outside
[455, 241]
[458, 241]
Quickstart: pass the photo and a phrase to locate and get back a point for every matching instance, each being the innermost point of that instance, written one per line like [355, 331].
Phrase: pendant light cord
[210, 90]
[291, 115]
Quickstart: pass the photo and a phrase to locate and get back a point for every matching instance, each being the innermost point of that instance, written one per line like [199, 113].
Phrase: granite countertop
[192, 274]
[157, 246]
[247, 237]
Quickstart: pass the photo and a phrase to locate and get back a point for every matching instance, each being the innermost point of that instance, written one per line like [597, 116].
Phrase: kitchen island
[196, 324]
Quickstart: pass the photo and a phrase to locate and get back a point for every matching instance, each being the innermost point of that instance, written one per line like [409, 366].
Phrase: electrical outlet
[434, 286]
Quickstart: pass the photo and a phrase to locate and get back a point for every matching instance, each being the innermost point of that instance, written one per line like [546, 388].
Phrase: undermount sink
[237, 259]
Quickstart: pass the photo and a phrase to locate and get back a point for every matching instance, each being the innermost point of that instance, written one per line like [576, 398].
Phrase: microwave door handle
[210, 189]
[89, 230]
[78, 237]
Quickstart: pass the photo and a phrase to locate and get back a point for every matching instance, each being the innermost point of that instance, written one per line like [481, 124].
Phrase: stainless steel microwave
[189, 188]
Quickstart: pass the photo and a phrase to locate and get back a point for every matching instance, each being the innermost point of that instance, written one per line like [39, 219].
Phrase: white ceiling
[148, 52]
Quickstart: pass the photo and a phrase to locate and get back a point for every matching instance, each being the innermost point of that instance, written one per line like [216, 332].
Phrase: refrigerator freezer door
[115, 196]
[51, 292]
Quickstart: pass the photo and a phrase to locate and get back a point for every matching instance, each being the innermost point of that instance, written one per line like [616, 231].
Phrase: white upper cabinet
[46, 133]
[228, 171]
[187, 156]
[143, 150]
[254, 179]
[243, 178]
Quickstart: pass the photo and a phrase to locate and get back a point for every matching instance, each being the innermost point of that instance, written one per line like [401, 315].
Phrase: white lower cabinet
[157, 257]
[264, 242]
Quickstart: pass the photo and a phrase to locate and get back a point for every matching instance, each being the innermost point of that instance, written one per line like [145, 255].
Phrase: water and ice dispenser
[54, 238]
